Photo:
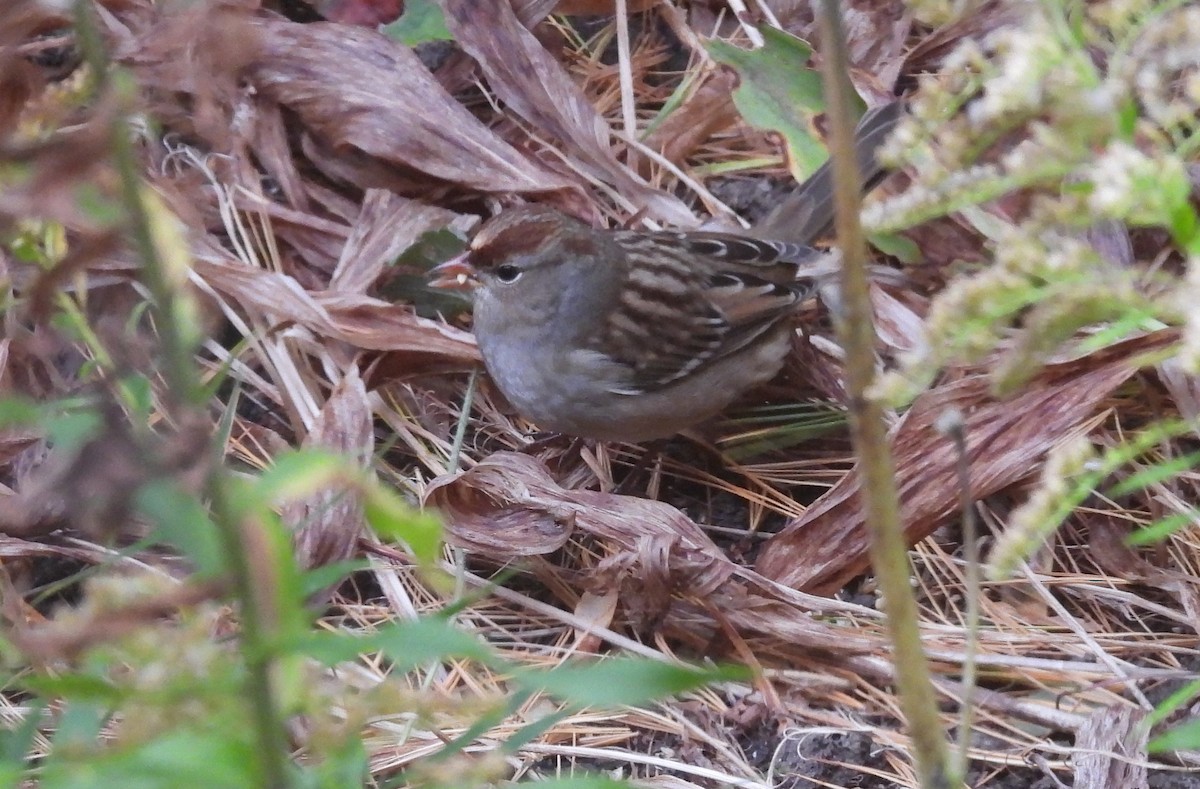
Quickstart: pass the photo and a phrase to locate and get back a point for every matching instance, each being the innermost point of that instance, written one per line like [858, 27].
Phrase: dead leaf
[386, 226]
[708, 110]
[828, 545]
[666, 571]
[362, 321]
[533, 84]
[358, 89]
[329, 521]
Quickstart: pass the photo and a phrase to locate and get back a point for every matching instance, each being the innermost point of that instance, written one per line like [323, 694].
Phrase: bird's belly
[555, 392]
[571, 392]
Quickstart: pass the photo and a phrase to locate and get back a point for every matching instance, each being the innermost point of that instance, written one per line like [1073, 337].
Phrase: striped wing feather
[723, 293]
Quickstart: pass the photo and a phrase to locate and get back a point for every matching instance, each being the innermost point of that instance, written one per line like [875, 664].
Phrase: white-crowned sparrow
[629, 335]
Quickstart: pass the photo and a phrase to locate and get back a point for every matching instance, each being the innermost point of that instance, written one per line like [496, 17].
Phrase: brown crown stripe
[496, 245]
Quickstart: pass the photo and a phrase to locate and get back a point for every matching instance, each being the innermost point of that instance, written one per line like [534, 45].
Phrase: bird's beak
[454, 274]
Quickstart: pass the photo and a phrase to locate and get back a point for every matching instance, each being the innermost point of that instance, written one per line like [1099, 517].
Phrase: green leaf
[97, 205]
[222, 759]
[1184, 224]
[1162, 529]
[484, 722]
[407, 644]
[13, 774]
[299, 473]
[79, 687]
[17, 411]
[1154, 474]
[17, 742]
[1127, 121]
[759, 429]
[392, 518]
[1175, 701]
[325, 576]
[624, 681]
[900, 247]
[182, 522]
[410, 644]
[779, 92]
[409, 283]
[140, 394]
[80, 724]
[421, 22]
[72, 430]
[1184, 737]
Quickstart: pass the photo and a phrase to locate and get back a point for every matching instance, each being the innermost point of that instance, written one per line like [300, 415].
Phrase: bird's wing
[694, 298]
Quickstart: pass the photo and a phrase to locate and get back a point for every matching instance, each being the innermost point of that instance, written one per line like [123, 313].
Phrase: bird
[635, 335]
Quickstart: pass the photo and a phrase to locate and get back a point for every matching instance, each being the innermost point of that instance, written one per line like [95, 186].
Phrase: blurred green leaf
[407, 644]
[81, 687]
[298, 473]
[624, 681]
[421, 22]
[27, 249]
[139, 395]
[73, 429]
[900, 247]
[80, 723]
[16, 742]
[1151, 475]
[325, 576]
[1184, 737]
[485, 721]
[1162, 528]
[221, 759]
[98, 205]
[392, 518]
[19, 412]
[182, 522]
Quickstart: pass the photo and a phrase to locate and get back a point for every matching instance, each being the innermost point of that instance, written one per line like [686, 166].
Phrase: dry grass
[304, 159]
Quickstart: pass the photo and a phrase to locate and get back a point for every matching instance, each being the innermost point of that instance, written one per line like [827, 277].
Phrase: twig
[856, 332]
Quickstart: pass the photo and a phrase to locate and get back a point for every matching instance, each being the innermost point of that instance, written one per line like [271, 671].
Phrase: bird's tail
[807, 214]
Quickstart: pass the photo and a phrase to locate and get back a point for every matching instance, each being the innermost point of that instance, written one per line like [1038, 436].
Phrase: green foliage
[421, 23]
[182, 523]
[779, 92]
[1185, 736]
[1095, 94]
[761, 429]
[1071, 475]
[628, 681]
[410, 284]
[1105, 141]
[394, 519]
[216, 676]
[162, 704]
[1100, 143]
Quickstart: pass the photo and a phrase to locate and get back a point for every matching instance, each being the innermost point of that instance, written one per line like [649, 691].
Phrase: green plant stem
[464, 418]
[184, 399]
[178, 366]
[881, 506]
[255, 635]
[460, 433]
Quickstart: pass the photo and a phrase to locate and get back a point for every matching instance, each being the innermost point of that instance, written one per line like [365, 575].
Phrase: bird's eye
[508, 273]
